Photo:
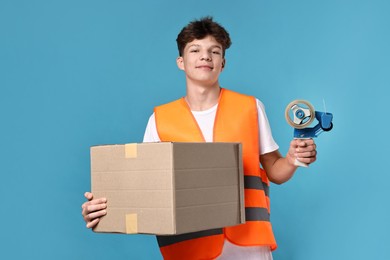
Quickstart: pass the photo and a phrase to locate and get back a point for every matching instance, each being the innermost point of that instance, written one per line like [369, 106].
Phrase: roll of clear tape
[294, 122]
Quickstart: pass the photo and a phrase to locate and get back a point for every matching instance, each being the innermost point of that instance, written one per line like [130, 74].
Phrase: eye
[217, 52]
[194, 50]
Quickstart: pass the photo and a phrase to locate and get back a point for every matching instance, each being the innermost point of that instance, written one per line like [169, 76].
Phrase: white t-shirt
[205, 120]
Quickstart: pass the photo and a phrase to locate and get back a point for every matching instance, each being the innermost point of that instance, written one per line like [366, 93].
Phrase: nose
[205, 55]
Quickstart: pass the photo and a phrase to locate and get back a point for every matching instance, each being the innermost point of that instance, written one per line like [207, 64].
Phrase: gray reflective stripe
[254, 182]
[256, 214]
[169, 240]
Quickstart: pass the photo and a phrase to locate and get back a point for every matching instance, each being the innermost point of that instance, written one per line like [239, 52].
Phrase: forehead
[207, 42]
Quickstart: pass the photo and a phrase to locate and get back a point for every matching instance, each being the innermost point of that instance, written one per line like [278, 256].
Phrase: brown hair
[199, 29]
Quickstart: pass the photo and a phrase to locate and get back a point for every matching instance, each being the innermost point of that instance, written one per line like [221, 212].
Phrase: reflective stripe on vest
[170, 240]
[236, 121]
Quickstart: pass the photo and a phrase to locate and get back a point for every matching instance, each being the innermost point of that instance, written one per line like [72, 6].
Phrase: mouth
[205, 67]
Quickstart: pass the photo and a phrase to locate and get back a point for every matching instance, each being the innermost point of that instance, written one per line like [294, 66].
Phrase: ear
[180, 62]
[223, 64]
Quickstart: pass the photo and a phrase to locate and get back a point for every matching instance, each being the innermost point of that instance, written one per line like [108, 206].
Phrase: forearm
[281, 170]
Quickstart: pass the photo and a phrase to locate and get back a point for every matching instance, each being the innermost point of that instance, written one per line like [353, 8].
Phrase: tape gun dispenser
[300, 114]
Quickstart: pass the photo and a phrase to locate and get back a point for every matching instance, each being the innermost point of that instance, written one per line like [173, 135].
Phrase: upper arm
[151, 134]
[266, 140]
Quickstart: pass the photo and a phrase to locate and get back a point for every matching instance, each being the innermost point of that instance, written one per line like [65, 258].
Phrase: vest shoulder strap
[181, 126]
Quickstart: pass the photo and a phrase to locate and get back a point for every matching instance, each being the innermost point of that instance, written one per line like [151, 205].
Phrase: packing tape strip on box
[131, 150]
[131, 224]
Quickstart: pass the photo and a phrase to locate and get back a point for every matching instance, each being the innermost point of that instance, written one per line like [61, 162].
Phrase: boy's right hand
[93, 209]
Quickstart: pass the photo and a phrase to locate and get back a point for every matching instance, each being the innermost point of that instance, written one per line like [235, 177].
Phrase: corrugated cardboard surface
[168, 188]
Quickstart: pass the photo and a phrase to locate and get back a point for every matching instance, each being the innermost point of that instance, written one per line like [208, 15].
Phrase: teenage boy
[210, 113]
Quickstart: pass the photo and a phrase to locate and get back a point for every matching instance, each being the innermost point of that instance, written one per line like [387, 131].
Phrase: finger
[308, 154]
[93, 223]
[304, 142]
[92, 216]
[308, 148]
[95, 207]
[96, 201]
[308, 141]
[88, 195]
[294, 143]
[307, 160]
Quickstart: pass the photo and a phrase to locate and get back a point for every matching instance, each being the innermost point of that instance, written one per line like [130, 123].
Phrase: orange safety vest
[236, 121]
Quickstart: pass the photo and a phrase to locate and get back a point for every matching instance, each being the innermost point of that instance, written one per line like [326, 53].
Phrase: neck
[201, 98]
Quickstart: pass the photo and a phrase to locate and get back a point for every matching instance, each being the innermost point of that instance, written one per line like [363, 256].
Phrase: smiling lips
[204, 67]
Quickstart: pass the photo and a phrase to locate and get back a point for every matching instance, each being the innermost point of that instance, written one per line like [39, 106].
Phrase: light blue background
[80, 73]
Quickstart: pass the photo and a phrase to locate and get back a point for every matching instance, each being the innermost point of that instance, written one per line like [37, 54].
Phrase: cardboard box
[168, 188]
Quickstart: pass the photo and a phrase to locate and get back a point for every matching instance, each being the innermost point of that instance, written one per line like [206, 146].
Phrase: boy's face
[202, 61]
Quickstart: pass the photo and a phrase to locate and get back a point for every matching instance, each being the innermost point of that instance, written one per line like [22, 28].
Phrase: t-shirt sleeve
[151, 135]
[267, 142]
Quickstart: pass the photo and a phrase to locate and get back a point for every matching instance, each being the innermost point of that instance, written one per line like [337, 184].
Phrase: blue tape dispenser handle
[300, 114]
